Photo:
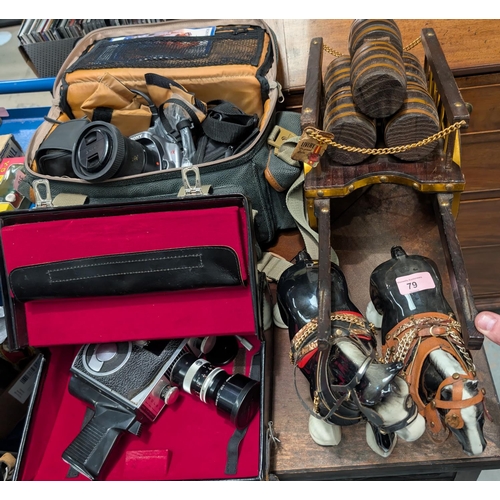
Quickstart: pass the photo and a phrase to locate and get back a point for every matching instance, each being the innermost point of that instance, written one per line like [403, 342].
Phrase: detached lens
[235, 396]
[217, 350]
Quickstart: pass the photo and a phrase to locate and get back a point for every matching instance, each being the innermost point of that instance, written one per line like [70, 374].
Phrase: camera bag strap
[273, 265]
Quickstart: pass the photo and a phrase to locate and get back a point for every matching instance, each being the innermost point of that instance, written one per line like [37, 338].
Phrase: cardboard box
[10, 173]
[9, 147]
[14, 401]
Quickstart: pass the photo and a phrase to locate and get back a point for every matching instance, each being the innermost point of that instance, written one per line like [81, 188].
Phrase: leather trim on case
[124, 274]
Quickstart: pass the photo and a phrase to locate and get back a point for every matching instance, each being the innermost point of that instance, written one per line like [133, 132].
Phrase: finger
[488, 324]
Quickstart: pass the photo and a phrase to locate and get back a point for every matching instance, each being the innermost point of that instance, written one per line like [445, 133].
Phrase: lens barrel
[102, 152]
[236, 397]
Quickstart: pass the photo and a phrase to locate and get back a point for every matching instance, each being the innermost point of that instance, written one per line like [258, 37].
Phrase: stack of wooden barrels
[378, 86]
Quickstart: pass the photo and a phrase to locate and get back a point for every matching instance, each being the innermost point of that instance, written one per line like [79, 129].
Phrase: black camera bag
[245, 47]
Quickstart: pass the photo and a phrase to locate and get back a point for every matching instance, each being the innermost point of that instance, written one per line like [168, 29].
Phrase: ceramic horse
[347, 383]
[419, 329]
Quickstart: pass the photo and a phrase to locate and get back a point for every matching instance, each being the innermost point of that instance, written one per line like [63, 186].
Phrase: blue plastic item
[23, 86]
[22, 122]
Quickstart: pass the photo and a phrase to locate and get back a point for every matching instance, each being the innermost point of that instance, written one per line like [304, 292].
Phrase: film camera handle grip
[89, 450]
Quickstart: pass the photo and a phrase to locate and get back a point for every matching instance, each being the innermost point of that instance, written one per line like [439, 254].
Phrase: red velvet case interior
[215, 311]
[188, 441]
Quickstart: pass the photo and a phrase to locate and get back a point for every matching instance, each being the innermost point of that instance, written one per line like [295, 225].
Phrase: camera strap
[226, 123]
[233, 446]
[194, 120]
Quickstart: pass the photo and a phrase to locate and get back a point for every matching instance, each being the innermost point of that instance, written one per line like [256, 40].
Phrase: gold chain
[453, 330]
[314, 134]
[463, 350]
[403, 347]
[336, 53]
[312, 326]
[413, 44]
[333, 52]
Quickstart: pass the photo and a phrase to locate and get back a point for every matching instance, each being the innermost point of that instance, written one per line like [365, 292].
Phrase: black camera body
[126, 383]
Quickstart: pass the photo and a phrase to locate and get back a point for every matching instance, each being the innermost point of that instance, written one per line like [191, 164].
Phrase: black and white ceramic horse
[347, 383]
[419, 329]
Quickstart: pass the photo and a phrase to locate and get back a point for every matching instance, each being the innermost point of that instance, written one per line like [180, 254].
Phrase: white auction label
[415, 283]
[23, 388]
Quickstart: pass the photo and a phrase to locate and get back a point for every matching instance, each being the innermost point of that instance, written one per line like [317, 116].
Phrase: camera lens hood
[99, 152]
[224, 350]
[54, 156]
[239, 398]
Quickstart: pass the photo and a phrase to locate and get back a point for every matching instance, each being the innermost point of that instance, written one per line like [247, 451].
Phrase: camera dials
[133, 375]
[105, 359]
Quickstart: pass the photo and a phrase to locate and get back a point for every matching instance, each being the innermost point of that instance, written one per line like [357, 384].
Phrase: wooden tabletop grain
[470, 45]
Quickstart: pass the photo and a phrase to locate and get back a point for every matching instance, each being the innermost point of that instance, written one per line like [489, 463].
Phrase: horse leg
[381, 443]
[414, 430]
[324, 433]
[277, 319]
[373, 316]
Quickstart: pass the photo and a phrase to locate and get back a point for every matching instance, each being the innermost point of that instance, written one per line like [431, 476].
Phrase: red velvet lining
[188, 441]
[217, 311]
[196, 313]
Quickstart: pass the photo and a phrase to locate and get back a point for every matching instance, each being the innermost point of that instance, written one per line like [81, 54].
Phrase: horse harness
[346, 326]
[410, 342]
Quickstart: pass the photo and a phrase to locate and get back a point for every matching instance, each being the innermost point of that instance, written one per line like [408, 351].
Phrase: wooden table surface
[297, 457]
[470, 45]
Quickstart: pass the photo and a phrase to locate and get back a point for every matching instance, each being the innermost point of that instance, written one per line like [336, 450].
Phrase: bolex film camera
[126, 384]
[129, 383]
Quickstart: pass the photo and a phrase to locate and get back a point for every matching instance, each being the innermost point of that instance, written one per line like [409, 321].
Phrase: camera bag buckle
[278, 136]
[42, 201]
[189, 190]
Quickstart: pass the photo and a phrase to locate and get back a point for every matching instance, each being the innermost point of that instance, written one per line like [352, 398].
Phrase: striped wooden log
[416, 120]
[337, 75]
[363, 30]
[378, 79]
[414, 70]
[349, 127]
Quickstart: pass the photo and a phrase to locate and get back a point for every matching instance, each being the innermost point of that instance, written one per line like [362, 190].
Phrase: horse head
[350, 360]
[458, 400]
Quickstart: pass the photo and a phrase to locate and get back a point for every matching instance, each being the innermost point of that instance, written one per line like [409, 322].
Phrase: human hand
[488, 323]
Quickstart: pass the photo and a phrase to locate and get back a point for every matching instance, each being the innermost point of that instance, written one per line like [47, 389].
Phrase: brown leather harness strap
[411, 341]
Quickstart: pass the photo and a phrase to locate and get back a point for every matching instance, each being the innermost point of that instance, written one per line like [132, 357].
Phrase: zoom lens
[234, 396]
[102, 152]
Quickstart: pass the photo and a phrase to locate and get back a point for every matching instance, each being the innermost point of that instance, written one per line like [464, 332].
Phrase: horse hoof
[373, 316]
[323, 433]
[381, 444]
[414, 430]
[267, 315]
[278, 322]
